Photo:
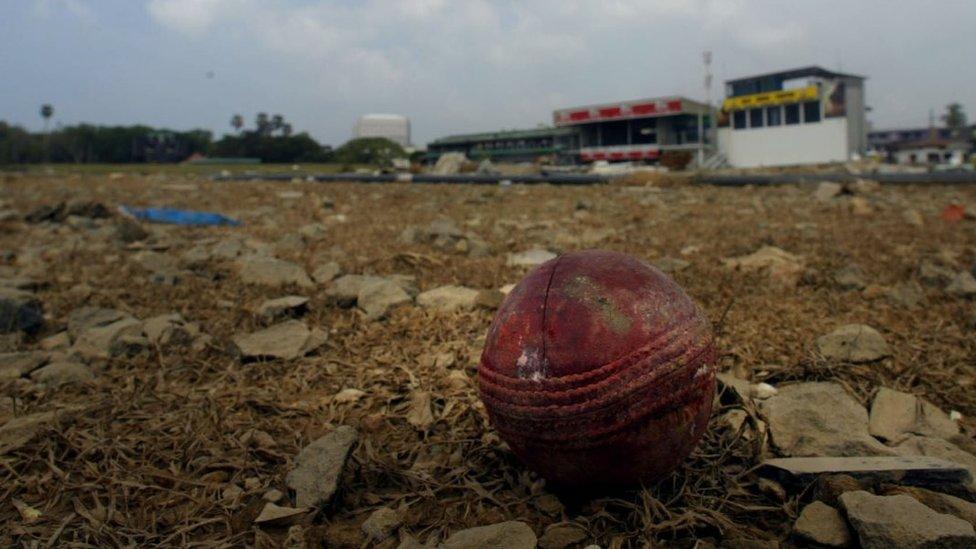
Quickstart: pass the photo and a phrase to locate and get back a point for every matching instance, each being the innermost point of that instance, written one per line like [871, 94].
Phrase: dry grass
[158, 438]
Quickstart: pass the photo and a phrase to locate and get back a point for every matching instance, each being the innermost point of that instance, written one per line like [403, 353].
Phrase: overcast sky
[456, 65]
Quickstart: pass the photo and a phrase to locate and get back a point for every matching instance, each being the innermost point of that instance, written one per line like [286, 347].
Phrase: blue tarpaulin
[175, 216]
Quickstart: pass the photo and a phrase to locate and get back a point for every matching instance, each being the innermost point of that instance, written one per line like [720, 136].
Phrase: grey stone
[449, 164]
[901, 521]
[820, 419]
[381, 524]
[277, 515]
[962, 285]
[170, 329]
[896, 415]
[326, 272]
[937, 501]
[530, 258]
[344, 291]
[61, 373]
[449, 298]
[85, 318]
[938, 448]
[377, 297]
[561, 535]
[318, 468]
[934, 275]
[154, 261]
[853, 343]
[821, 523]
[914, 470]
[290, 306]
[287, 340]
[504, 535]
[107, 341]
[268, 271]
[827, 190]
[20, 311]
[849, 278]
[19, 364]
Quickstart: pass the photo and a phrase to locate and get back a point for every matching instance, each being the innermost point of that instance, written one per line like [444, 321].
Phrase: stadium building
[509, 145]
[801, 116]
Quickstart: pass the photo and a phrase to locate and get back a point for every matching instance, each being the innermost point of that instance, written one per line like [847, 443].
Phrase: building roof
[933, 143]
[789, 74]
[623, 110]
[504, 134]
[380, 116]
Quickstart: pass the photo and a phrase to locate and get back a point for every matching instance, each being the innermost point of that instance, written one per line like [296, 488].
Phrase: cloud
[78, 9]
[192, 16]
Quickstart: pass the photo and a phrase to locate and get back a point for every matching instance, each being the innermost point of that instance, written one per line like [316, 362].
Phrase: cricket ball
[598, 370]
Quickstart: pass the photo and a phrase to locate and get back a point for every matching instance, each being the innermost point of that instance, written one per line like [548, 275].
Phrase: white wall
[824, 141]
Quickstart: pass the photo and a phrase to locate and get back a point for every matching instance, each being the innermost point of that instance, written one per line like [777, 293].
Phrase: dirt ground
[154, 441]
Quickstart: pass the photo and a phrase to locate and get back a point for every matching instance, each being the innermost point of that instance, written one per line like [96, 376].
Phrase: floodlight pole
[707, 59]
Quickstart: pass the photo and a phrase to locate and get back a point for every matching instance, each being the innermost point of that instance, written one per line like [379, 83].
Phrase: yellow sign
[797, 95]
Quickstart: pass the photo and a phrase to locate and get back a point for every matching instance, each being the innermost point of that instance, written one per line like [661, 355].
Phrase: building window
[774, 116]
[811, 112]
[755, 118]
[739, 119]
[792, 114]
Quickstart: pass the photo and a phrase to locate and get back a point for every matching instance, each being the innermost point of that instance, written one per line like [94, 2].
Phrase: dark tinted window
[774, 116]
[739, 119]
[792, 113]
[811, 111]
[755, 118]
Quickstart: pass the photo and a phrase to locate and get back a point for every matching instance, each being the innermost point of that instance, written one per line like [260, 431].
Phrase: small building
[639, 130]
[934, 150]
[394, 127]
[508, 146]
[807, 115]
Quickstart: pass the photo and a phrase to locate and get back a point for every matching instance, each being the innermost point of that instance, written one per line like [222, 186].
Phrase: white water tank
[394, 127]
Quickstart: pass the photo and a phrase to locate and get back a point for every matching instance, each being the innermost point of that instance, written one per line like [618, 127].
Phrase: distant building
[807, 115]
[924, 145]
[509, 145]
[637, 130]
[394, 127]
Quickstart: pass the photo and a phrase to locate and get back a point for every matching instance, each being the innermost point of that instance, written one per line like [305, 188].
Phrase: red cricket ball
[598, 369]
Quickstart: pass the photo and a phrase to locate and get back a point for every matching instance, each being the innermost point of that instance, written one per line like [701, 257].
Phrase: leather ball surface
[598, 370]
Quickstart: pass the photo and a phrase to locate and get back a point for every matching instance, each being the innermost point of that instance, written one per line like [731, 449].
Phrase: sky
[456, 66]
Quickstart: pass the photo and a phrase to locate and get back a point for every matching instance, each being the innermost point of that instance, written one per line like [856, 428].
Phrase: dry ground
[161, 436]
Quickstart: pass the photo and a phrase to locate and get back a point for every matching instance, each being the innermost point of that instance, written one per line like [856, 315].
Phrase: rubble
[449, 298]
[853, 343]
[20, 311]
[824, 525]
[530, 258]
[381, 524]
[287, 340]
[268, 271]
[290, 306]
[900, 521]
[504, 535]
[782, 268]
[896, 415]
[377, 297]
[318, 468]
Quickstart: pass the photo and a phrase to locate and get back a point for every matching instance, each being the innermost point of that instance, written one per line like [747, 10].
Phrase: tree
[286, 130]
[954, 118]
[237, 121]
[47, 111]
[263, 126]
[369, 150]
[277, 122]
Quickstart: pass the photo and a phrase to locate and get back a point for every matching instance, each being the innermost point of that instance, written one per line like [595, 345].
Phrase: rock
[829, 487]
[820, 419]
[849, 278]
[290, 306]
[670, 265]
[901, 521]
[20, 311]
[896, 415]
[561, 535]
[313, 231]
[344, 291]
[827, 190]
[853, 343]
[326, 272]
[420, 414]
[348, 395]
[381, 524]
[87, 208]
[17, 432]
[155, 261]
[783, 268]
[61, 373]
[864, 186]
[939, 502]
[85, 318]
[913, 218]
[504, 535]
[906, 295]
[276, 515]
[19, 364]
[287, 340]
[962, 285]
[109, 340]
[377, 297]
[129, 230]
[739, 387]
[934, 275]
[268, 271]
[915, 471]
[169, 329]
[938, 448]
[169, 277]
[318, 468]
[820, 523]
[530, 258]
[449, 164]
[860, 206]
[449, 298]
[273, 495]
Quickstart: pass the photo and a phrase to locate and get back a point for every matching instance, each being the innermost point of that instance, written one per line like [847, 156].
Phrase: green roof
[506, 134]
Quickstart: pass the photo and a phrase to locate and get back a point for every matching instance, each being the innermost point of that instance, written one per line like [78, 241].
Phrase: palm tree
[47, 111]
[262, 123]
[237, 121]
[277, 122]
[286, 130]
